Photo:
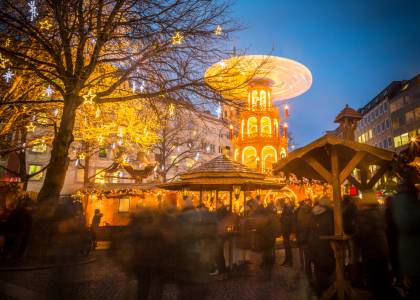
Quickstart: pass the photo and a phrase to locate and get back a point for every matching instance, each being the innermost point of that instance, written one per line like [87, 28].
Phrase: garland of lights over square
[253, 83]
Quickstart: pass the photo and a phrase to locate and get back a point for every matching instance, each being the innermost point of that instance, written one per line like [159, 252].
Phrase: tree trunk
[23, 173]
[59, 161]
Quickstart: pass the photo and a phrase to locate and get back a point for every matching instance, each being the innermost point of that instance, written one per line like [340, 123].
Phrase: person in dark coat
[286, 222]
[303, 218]
[94, 227]
[406, 214]
[320, 253]
[369, 235]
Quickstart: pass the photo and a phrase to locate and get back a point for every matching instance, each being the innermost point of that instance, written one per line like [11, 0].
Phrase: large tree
[159, 47]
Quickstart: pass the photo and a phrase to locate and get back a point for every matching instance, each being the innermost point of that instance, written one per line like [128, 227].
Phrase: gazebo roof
[348, 112]
[222, 173]
[296, 161]
[222, 166]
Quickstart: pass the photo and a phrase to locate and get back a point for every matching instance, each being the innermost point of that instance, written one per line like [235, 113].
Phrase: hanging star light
[45, 24]
[33, 10]
[30, 127]
[8, 75]
[82, 156]
[48, 91]
[218, 30]
[8, 42]
[88, 98]
[3, 61]
[177, 38]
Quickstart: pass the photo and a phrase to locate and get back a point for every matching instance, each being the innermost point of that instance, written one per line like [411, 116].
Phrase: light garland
[3, 61]
[45, 25]
[30, 127]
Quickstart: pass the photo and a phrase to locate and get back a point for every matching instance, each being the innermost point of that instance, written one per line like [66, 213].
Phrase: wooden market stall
[222, 174]
[333, 160]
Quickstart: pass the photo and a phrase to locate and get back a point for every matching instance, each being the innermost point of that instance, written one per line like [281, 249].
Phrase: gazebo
[222, 174]
[332, 160]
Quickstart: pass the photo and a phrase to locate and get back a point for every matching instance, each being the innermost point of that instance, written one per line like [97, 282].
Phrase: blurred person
[320, 253]
[406, 215]
[369, 236]
[303, 218]
[286, 222]
[392, 237]
[94, 226]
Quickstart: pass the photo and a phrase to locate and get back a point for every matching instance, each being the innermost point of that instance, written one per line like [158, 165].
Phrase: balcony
[260, 138]
[260, 108]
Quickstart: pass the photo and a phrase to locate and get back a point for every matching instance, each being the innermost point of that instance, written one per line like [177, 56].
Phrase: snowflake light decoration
[33, 10]
[48, 91]
[8, 75]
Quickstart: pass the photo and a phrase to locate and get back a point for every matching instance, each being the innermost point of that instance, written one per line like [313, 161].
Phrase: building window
[389, 142]
[383, 126]
[387, 123]
[385, 143]
[39, 148]
[103, 153]
[378, 129]
[370, 134]
[410, 117]
[80, 175]
[124, 205]
[35, 169]
[396, 105]
[381, 109]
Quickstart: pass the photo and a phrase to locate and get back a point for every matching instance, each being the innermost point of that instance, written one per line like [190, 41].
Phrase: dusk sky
[353, 48]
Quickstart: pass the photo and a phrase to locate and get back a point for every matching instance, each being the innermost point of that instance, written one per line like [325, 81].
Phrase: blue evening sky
[354, 49]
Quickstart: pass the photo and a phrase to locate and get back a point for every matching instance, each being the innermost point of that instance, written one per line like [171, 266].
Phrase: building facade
[392, 118]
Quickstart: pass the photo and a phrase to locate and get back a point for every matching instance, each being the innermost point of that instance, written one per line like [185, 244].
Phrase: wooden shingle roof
[348, 112]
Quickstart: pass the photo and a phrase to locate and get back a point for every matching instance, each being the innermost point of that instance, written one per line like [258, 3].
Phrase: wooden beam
[351, 165]
[354, 182]
[382, 170]
[318, 168]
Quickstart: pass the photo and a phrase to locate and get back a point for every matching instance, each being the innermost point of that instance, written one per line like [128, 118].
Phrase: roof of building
[389, 92]
[347, 112]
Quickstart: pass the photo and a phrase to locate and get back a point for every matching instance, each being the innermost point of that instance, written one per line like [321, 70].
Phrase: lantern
[184, 193]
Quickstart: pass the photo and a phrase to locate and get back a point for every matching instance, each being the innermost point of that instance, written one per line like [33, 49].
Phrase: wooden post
[338, 225]
[201, 195]
[230, 201]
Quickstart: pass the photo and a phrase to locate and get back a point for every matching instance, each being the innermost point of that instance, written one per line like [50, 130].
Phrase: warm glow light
[177, 38]
[288, 78]
[413, 139]
[230, 126]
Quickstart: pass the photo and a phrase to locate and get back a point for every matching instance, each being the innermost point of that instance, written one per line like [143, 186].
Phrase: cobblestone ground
[103, 280]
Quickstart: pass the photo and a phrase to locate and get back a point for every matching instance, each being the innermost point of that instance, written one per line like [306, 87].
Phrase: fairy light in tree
[218, 30]
[3, 61]
[82, 156]
[97, 113]
[48, 91]
[222, 64]
[30, 127]
[101, 139]
[142, 87]
[8, 42]
[88, 98]
[55, 112]
[171, 109]
[134, 87]
[177, 38]
[33, 10]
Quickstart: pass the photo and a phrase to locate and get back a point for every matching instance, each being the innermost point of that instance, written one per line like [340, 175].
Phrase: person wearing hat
[370, 238]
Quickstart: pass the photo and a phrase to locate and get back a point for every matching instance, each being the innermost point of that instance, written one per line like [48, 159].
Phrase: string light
[218, 30]
[177, 38]
[8, 75]
[33, 10]
[88, 98]
[8, 42]
[97, 113]
[171, 109]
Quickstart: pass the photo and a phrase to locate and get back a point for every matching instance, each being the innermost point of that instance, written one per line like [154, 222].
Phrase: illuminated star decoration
[88, 98]
[3, 61]
[8, 75]
[218, 30]
[30, 127]
[45, 25]
[48, 91]
[8, 42]
[33, 10]
[82, 156]
[177, 38]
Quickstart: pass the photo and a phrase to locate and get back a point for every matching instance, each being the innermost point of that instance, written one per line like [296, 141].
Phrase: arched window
[252, 126]
[254, 97]
[283, 153]
[276, 126]
[268, 157]
[265, 125]
[249, 157]
[263, 99]
[242, 128]
[236, 156]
